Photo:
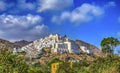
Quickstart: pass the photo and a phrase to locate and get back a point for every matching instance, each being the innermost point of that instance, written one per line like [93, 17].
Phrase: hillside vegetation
[10, 63]
[18, 63]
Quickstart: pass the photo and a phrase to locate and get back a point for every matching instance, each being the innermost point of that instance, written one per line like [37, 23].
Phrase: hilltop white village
[56, 43]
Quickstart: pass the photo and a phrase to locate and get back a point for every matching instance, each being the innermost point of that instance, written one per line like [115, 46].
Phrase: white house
[85, 50]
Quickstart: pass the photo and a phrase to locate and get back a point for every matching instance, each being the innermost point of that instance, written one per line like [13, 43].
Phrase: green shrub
[109, 64]
[10, 63]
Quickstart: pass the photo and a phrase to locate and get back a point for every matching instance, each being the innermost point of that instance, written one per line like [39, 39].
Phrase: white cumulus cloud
[11, 21]
[28, 27]
[84, 13]
[54, 4]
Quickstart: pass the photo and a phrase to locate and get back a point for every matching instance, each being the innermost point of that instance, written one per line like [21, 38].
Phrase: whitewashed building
[85, 50]
[57, 44]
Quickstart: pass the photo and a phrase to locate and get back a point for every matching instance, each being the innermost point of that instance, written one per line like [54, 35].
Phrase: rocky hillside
[22, 43]
[4, 44]
[96, 51]
[47, 57]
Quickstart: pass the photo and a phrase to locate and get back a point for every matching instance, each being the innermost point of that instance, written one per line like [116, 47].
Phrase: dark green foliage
[108, 44]
[39, 69]
[82, 63]
[37, 64]
[78, 67]
[10, 63]
[109, 64]
[22, 53]
[65, 68]
[54, 61]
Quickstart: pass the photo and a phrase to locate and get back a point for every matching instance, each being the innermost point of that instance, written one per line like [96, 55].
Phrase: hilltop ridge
[5, 44]
[59, 44]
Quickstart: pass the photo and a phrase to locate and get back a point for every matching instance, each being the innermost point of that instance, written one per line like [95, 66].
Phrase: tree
[108, 64]
[119, 52]
[108, 44]
[11, 63]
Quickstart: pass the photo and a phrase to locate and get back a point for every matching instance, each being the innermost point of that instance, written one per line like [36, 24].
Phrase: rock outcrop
[4, 44]
[22, 43]
[96, 51]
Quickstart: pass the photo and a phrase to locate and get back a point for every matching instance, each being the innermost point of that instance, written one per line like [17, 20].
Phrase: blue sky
[87, 20]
